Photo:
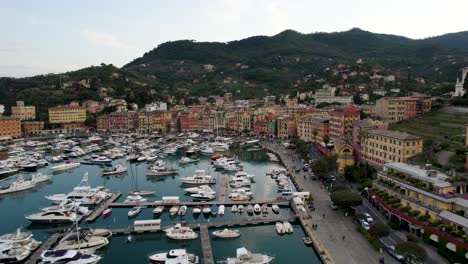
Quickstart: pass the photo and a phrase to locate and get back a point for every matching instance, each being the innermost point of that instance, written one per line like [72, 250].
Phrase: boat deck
[45, 246]
[103, 207]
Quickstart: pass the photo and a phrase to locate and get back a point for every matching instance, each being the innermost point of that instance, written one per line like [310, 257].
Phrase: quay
[321, 250]
[45, 246]
[155, 204]
[206, 245]
[103, 207]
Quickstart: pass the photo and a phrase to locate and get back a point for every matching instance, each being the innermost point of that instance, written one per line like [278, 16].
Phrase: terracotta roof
[394, 134]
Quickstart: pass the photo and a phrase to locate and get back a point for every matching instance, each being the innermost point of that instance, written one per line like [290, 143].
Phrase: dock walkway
[103, 207]
[206, 245]
[223, 189]
[45, 246]
[155, 204]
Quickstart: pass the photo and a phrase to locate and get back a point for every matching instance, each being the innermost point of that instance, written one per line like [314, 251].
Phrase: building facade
[306, 127]
[102, 123]
[23, 112]
[395, 109]
[67, 114]
[32, 127]
[10, 127]
[286, 127]
[341, 122]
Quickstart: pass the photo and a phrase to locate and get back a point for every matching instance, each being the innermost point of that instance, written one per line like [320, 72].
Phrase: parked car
[332, 178]
[369, 218]
[333, 205]
[365, 225]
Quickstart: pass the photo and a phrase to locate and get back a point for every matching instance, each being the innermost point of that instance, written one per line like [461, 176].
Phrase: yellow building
[345, 155]
[380, 146]
[10, 127]
[286, 127]
[427, 191]
[32, 127]
[67, 114]
[23, 112]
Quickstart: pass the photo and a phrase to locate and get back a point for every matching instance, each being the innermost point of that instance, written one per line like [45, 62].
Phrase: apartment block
[395, 109]
[32, 127]
[341, 121]
[10, 127]
[67, 114]
[286, 127]
[23, 112]
[306, 127]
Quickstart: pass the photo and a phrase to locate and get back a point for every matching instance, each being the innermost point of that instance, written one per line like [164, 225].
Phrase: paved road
[331, 228]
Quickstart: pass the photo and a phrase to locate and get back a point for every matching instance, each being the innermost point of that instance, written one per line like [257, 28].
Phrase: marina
[254, 190]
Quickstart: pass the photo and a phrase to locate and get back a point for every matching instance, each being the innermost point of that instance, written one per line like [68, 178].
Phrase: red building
[122, 121]
[341, 121]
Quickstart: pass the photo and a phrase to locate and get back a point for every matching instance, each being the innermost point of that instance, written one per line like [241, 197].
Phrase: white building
[389, 78]
[459, 91]
[156, 106]
[2, 109]
[327, 95]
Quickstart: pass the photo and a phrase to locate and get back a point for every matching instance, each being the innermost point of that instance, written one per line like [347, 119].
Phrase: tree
[326, 139]
[320, 168]
[211, 100]
[411, 251]
[379, 230]
[314, 133]
[346, 198]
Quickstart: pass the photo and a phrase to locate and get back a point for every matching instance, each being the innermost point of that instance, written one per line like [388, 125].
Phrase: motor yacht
[243, 256]
[135, 198]
[227, 233]
[20, 240]
[11, 254]
[181, 231]
[82, 242]
[203, 196]
[174, 256]
[68, 256]
[17, 186]
[187, 160]
[134, 211]
[287, 227]
[182, 210]
[201, 188]
[279, 228]
[54, 217]
[199, 178]
[119, 168]
[5, 172]
[66, 166]
[102, 160]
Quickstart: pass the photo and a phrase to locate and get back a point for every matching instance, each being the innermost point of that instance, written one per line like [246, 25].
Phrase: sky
[53, 36]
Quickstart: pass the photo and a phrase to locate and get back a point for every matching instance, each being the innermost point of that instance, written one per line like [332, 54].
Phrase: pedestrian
[323, 216]
[343, 238]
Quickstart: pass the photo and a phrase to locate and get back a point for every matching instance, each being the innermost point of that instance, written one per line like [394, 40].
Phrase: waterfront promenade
[331, 228]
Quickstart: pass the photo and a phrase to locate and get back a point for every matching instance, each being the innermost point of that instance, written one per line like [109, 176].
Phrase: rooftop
[394, 134]
[437, 178]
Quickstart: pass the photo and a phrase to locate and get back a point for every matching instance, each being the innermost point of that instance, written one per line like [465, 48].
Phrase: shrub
[424, 217]
[394, 226]
[396, 205]
[405, 209]
[379, 230]
[412, 238]
[458, 233]
[435, 222]
[376, 244]
[414, 213]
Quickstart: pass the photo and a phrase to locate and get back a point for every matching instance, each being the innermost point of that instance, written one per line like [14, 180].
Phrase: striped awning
[434, 238]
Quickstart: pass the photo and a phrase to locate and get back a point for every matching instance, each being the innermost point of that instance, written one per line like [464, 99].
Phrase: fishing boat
[134, 212]
[227, 233]
[174, 209]
[158, 209]
[107, 212]
[115, 170]
[182, 210]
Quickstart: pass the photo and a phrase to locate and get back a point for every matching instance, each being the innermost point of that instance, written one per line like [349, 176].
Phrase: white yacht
[135, 198]
[279, 228]
[158, 209]
[39, 177]
[20, 240]
[187, 160]
[11, 254]
[174, 256]
[17, 186]
[181, 231]
[82, 193]
[207, 151]
[119, 168]
[287, 227]
[134, 211]
[68, 256]
[101, 160]
[198, 189]
[275, 208]
[243, 256]
[5, 172]
[54, 217]
[199, 178]
[227, 233]
[234, 209]
[203, 196]
[66, 166]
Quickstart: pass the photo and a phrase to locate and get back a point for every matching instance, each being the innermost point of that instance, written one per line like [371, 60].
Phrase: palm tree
[314, 133]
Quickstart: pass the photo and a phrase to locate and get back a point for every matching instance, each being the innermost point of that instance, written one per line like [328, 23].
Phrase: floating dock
[206, 245]
[155, 204]
[103, 207]
[223, 189]
[45, 246]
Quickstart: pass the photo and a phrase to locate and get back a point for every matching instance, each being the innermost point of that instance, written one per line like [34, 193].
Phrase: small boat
[240, 208]
[158, 209]
[214, 210]
[221, 209]
[66, 166]
[216, 156]
[206, 209]
[287, 227]
[187, 160]
[307, 240]
[134, 212]
[275, 208]
[234, 209]
[182, 210]
[174, 209]
[279, 228]
[141, 193]
[107, 212]
[129, 239]
[226, 233]
[250, 209]
[114, 170]
[197, 209]
[257, 209]
[264, 208]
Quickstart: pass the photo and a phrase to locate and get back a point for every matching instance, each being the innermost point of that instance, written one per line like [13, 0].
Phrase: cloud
[106, 40]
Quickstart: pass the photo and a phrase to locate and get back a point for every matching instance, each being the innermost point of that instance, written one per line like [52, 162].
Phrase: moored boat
[227, 233]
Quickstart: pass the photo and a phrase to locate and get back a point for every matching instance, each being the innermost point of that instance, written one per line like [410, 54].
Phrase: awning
[434, 238]
[452, 247]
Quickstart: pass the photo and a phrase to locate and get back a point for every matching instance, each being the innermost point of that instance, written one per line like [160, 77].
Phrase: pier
[206, 245]
[103, 207]
[223, 189]
[45, 246]
[155, 204]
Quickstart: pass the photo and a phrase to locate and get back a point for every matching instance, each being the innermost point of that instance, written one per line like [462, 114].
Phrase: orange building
[341, 121]
[10, 127]
[32, 127]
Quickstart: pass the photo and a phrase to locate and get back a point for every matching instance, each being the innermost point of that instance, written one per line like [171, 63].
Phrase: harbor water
[258, 239]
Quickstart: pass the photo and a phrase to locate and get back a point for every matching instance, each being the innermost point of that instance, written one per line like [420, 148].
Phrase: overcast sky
[44, 36]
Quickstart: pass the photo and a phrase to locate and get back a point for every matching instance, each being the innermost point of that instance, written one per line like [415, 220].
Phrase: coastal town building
[23, 112]
[380, 146]
[67, 114]
[92, 106]
[10, 127]
[102, 123]
[32, 127]
[327, 95]
[313, 129]
[395, 109]
[286, 127]
[341, 121]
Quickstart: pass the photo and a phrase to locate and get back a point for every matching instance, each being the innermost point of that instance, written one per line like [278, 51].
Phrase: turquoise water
[258, 239]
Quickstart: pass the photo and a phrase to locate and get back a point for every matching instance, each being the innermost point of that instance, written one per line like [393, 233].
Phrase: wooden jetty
[103, 207]
[155, 204]
[45, 246]
[223, 189]
[206, 245]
